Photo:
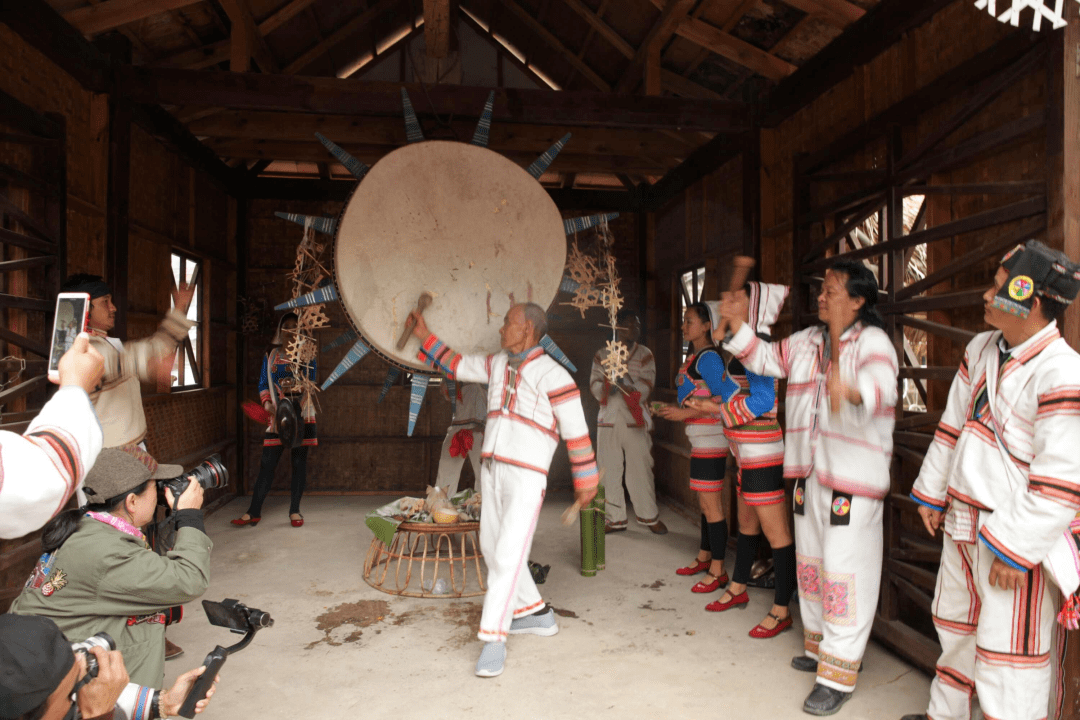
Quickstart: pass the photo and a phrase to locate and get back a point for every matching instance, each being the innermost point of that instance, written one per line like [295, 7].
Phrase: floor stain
[649, 606]
[359, 614]
[561, 612]
[655, 586]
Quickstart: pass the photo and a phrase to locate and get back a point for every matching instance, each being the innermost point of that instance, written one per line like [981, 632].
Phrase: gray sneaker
[492, 659]
[536, 624]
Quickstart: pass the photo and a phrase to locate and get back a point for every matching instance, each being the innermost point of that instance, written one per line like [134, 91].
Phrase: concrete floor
[641, 644]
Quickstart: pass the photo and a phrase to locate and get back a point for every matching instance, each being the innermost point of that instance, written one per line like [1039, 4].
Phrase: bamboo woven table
[423, 553]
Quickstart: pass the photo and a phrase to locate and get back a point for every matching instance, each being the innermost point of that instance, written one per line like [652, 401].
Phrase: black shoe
[824, 700]
[920, 716]
[804, 664]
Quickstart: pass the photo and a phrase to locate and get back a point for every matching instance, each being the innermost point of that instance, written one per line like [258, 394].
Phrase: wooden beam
[342, 33]
[598, 25]
[314, 152]
[587, 43]
[247, 41]
[95, 19]
[727, 26]
[252, 91]
[661, 31]
[46, 30]
[838, 13]
[734, 49]
[548, 37]
[877, 31]
[677, 84]
[339, 191]
[701, 162]
[390, 131]
[437, 15]
[284, 15]
[199, 57]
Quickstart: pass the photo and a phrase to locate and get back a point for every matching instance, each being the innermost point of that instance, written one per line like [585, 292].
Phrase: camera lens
[211, 473]
[101, 640]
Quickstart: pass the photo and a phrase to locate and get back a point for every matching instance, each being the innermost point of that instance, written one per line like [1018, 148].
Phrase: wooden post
[800, 237]
[243, 212]
[1063, 228]
[118, 198]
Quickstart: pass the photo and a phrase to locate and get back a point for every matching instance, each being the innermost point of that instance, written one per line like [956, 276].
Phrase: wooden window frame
[187, 352]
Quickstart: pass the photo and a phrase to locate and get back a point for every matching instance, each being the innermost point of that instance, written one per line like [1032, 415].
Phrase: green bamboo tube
[588, 541]
[601, 522]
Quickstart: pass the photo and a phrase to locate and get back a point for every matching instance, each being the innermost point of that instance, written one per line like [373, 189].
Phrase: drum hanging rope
[421, 305]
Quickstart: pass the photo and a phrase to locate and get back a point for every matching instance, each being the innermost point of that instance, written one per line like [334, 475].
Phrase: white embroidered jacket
[1007, 447]
[849, 451]
[528, 409]
[40, 469]
[641, 367]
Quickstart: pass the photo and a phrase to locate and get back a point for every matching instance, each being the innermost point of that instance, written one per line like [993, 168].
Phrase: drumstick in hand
[740, 271]
[421, 306]
[570, 514]
[834, 358]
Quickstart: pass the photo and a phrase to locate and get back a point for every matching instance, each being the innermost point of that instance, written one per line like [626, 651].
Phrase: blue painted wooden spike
[580, 224]
[322, 224]
[483, 128]
[569, 284]
[354, 166]
[541, 164]
[556, 352]
[413, 133]
[391, 378]
[346, 337]
[451, 390]
[325, 294]
[416, 399]
[356, 354]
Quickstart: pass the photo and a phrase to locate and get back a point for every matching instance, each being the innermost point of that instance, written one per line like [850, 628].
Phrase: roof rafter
[547, 36]
[342, 33]
[437, 17]
[489, 36]
[739, 51]
[284, 15]
[588, 41]
[728, 25]
[253, 43]
[839, 13]
[670, 16]
[94, 19]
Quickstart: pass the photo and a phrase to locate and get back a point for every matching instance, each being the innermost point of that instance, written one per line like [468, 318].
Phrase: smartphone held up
[72, 314]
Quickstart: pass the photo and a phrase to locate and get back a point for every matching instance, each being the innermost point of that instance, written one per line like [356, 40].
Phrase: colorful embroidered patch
[59, 580]
[800, 496]
[1021, 288]
[838, 598]
[841, 506]
[808, 570]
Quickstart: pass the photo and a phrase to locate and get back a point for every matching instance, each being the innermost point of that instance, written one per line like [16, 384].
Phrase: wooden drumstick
[421, 305]
[834, 358]
[569, 516]
[740, 271]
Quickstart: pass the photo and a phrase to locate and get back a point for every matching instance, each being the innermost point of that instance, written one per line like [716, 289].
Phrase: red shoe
[716, 584]
[298, 522]
[740, 601]
[697, 567]
[764, 632]
[250, 521]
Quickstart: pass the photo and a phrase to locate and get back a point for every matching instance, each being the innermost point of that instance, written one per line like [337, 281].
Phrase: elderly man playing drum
[531, 400]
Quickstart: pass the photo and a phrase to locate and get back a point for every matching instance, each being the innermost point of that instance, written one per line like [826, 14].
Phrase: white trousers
[513, 497]
[630, 448]
[450, 466]
[839, 569]
[994, 643]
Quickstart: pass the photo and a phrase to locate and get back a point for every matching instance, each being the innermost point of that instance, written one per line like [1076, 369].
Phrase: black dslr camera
[210, 473]
[240, 619]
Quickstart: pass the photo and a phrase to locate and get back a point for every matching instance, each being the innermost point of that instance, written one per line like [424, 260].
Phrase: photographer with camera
[97, 573]
[44, 677]
[48, 462]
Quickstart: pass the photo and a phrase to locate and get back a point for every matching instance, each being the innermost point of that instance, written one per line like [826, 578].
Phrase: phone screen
[223, 616]
[70, 315]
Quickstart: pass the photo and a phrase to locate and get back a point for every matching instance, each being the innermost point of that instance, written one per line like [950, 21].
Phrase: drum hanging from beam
[455, 220]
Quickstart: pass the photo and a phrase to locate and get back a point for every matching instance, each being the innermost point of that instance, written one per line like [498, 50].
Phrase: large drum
[458, 221]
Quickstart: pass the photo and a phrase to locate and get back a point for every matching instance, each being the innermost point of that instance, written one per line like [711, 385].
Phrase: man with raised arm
[1002, 480]
[840, 461]
[531, 402]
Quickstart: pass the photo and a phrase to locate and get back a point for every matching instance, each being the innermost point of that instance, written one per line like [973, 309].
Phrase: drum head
[458, 221]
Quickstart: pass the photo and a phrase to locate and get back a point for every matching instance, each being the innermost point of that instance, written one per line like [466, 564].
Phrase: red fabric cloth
[256, 412]
[633, 403]
[462, 443]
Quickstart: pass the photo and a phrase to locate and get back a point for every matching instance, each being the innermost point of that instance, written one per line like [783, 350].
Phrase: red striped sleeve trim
[938, 504]
[1068, 493]
[989, 539]
[1012, 660]
[947, 435]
